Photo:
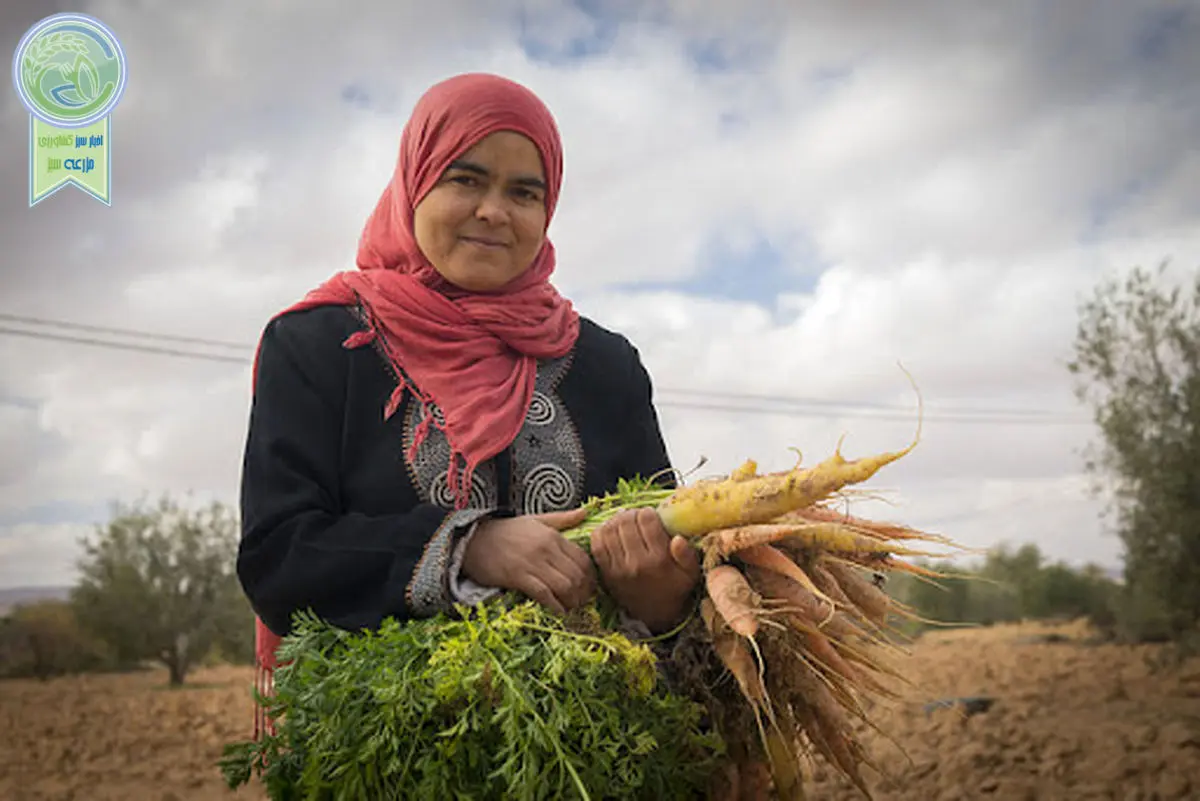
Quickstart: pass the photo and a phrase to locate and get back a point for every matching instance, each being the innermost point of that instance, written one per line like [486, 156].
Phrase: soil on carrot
[1067, 719]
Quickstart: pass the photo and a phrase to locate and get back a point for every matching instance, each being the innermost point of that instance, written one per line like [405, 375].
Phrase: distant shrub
[44, 639]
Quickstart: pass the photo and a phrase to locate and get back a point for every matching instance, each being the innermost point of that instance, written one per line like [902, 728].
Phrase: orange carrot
[734, 654]
[828, 585]
[826, 726]
[728, 541]
[785, 768]
[908, 567]
[796, 600]
[844, 754]
[773, 559]
[823, 652]
[733, 599]
[872, 602]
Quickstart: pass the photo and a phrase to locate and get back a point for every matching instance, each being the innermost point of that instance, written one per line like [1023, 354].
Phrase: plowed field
[1069, 720]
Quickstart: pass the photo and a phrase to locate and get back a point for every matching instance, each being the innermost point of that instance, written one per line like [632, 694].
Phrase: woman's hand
[647, 572]
[528, 554]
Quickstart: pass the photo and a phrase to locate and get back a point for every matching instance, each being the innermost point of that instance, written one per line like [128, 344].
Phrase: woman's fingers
[562, 572]
[653, 535]
[581, 559]
[686, 557]
[529, 555]
[561, 521]
[611, 546]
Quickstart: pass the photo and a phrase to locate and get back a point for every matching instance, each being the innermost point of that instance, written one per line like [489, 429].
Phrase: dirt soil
[1070, 720]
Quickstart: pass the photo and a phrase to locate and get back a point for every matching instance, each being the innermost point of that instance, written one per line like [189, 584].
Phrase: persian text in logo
[69, 71]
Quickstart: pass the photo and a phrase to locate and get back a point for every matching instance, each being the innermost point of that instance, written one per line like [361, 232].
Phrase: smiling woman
[484, 222]
[425, 426]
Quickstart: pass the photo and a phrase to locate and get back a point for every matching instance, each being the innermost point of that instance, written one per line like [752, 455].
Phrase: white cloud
[40, 555]
[965, 170]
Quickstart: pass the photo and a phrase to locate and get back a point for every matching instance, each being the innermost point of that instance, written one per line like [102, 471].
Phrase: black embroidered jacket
[336, 519]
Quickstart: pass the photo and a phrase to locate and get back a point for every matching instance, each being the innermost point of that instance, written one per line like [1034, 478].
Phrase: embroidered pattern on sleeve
[429, 591]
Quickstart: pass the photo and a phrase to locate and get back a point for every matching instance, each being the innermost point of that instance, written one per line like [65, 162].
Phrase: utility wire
[841, 404]
[103, 329]
[736, 396]
[992, 419]
[214, 357]
[728, 402]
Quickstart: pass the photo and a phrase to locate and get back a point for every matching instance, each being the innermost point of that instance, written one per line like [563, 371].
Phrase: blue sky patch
[1107, 205]
[831, 76]
[601, 36]
[356, 95]
[20, 402]
[757, 274]
[719, 55]
[1161, 31]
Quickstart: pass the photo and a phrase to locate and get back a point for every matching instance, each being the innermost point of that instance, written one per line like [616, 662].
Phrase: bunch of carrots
[786, 648]
[794, 610]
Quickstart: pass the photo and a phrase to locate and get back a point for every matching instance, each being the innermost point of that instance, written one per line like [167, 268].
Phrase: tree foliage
[44, 639]
[1137, 365]
[159, 583]
[1011, 585]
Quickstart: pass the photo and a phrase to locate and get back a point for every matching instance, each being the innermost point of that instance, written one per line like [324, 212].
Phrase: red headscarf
[474, 355]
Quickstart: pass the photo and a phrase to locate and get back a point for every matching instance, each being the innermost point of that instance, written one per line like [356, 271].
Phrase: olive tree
[159, 583]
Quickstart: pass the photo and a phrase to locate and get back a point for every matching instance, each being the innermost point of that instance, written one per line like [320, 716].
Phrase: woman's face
[484, 221]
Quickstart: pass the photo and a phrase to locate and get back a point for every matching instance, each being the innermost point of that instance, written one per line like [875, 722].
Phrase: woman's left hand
[646, 571]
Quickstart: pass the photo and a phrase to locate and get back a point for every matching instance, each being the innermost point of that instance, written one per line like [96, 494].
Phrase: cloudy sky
[777, 201]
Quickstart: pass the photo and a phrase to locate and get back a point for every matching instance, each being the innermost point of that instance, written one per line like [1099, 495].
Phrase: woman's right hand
[529, 555]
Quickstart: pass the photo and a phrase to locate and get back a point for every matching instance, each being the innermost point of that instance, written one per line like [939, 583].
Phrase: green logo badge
[69, 71]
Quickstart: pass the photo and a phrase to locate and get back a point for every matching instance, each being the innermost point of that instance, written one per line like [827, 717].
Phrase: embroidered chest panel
[547, 461]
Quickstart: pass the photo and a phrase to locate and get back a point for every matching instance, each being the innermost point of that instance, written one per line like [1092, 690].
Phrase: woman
[424, 427]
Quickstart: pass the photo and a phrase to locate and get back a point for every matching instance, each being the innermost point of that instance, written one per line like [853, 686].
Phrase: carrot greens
[505, 702]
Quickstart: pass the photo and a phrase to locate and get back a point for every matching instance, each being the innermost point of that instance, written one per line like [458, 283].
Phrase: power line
[831, 414]
[727, 402]
[712, 394]
[842, 404]
[103, 329]
[214, 357]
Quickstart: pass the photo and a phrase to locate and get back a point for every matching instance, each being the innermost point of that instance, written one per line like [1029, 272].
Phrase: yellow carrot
[871, 528]
[697, 510]
[747, 470]
[825, 537]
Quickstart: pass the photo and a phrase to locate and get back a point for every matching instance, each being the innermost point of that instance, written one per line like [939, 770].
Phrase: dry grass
[1071, 721]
